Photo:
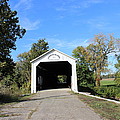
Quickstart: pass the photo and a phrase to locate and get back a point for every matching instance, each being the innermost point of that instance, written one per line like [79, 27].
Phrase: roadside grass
[4, 115]
[106, 109]
[11, 99]
[12, 94]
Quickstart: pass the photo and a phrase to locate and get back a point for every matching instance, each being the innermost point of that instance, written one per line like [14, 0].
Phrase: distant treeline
[108, 76]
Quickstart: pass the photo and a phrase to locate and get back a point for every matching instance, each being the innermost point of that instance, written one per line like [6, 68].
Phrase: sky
[65, 24]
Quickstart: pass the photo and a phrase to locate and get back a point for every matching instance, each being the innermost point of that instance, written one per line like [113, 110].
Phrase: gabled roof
[49, 52]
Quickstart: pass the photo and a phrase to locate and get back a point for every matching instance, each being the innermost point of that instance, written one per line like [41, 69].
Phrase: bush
[25, 89]
[111, 92]
[117, 78]
[118, 96]
[85, 76]
[86, 89]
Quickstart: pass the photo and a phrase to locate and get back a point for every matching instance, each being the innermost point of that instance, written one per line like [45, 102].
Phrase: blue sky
[65, 24]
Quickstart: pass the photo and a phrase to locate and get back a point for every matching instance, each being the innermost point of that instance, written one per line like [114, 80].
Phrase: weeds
[106, 109]
[11, 94]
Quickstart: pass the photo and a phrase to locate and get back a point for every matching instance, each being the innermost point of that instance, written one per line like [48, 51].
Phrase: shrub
[117, 78]
[85, 76]
[118, 96]
[25, 89]
[111, 92]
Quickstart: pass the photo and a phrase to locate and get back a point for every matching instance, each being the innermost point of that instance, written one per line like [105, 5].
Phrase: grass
[8, 99]
[107, 110]
[107, 82]
[7, 115]
[11, 94]
[4, 115]
[5, 98]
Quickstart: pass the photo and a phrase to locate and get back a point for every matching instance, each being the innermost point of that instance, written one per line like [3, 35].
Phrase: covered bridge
[47, 67]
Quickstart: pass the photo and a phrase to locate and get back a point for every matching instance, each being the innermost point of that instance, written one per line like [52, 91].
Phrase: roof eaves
[50, 51]
[41, 55]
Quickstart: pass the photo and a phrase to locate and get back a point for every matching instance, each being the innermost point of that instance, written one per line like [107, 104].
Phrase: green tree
[38, 48]
[84, 74]
[10, 31]
[117, 75]
[23, 66]
[96, 54]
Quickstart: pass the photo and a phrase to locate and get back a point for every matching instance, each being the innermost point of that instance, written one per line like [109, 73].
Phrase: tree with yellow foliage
[96, 54]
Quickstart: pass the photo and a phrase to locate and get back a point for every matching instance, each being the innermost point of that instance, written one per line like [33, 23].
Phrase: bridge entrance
[53, 75]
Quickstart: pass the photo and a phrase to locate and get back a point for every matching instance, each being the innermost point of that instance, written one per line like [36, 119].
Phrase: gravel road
[55, 104]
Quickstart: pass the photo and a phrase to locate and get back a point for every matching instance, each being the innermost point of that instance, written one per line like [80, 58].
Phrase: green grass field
[106, 82]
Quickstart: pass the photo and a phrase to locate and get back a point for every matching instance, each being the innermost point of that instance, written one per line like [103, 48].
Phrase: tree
[10, 31]
[103, 45]
[117, 75]
[96, 54]
[39, 48]
[84, 74]
[23, 66]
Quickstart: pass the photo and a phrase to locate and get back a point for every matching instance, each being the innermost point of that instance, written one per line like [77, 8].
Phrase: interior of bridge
[48, 75]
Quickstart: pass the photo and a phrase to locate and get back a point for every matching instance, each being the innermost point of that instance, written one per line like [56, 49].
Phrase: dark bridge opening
[53, 75]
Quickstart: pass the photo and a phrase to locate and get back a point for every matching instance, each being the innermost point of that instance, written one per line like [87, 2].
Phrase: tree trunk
[98, 78]
[97, 82]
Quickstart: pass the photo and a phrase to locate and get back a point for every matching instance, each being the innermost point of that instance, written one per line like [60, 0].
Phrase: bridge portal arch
[48, 67]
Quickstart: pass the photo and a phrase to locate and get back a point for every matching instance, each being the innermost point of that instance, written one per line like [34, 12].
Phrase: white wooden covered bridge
[48, 66]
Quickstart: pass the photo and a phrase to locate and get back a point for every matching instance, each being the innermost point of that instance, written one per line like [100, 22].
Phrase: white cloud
[26, 4]
[22, 6]
[74, 5]
[88, 3]
[98, 23]
[68, 44]
[30, 25]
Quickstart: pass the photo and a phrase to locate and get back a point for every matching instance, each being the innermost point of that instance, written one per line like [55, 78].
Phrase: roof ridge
[49, 52]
